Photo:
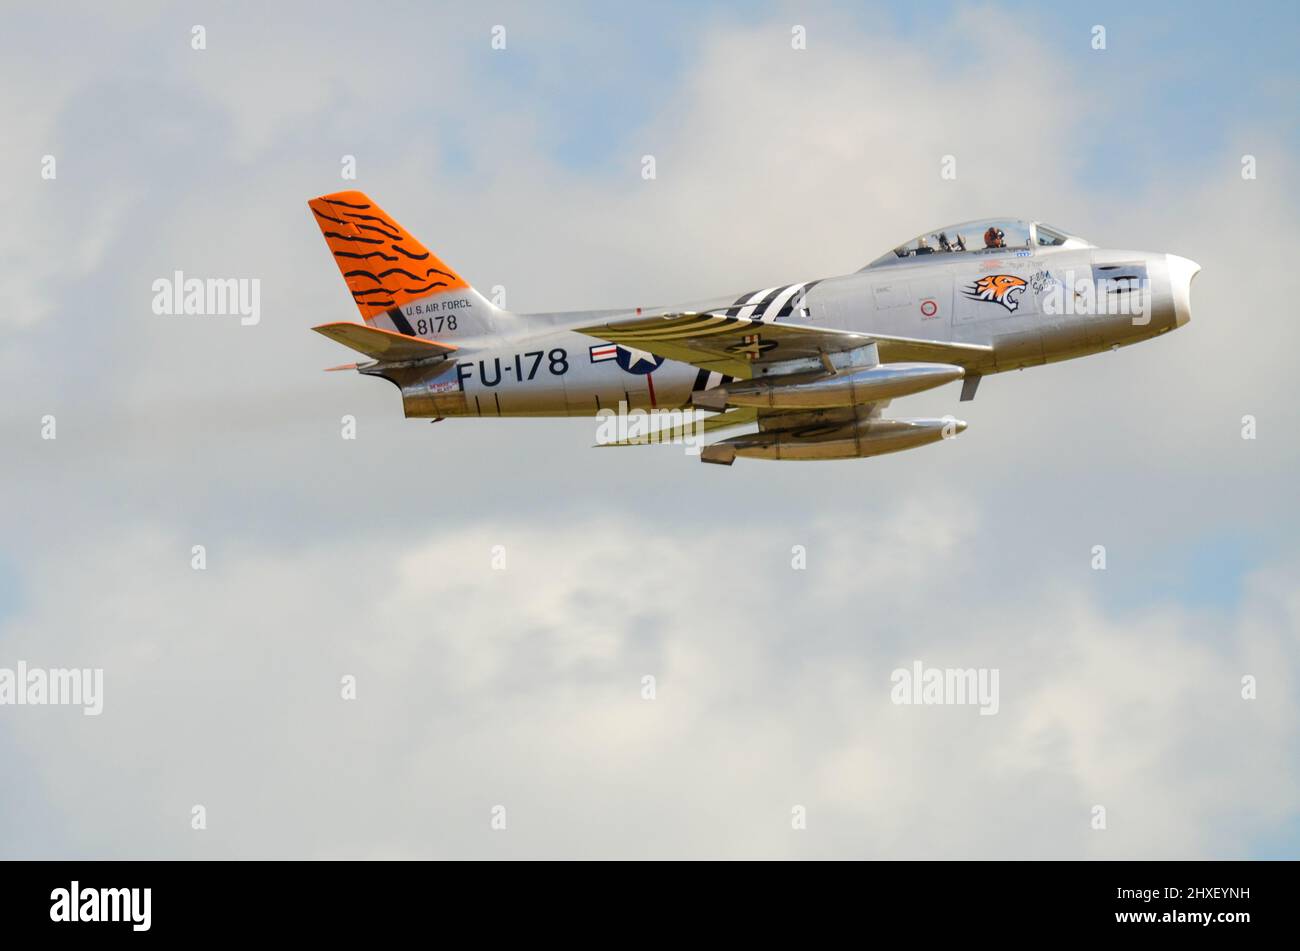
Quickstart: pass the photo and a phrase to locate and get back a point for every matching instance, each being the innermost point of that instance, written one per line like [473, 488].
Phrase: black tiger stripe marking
[353, 237]
[368, 254]
[397, 270]
[397, 290]
[346, 204]
[413, 257]
[321, 214]
[400, 290]
[382, 221]
[392, 270]
[421, 290]
[385, 233]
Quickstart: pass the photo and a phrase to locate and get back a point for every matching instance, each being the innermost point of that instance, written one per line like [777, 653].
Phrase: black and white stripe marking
[770, 304]
[708, 379]
[400, 322]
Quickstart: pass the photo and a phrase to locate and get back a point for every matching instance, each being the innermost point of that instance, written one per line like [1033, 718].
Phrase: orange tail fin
[383, 265]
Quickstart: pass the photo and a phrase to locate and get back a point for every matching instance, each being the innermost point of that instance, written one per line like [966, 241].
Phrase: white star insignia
[637, 357]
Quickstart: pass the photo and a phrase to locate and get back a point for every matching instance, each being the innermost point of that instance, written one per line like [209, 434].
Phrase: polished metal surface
[872, 437]
[818, 391]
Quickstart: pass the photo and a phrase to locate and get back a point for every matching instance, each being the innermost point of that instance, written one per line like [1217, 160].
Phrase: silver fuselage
[539, 366]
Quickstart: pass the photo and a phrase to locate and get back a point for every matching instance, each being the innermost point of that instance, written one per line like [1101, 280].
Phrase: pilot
[994, 238]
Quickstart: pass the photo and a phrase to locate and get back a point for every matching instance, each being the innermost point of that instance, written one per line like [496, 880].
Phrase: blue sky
[1178, 77]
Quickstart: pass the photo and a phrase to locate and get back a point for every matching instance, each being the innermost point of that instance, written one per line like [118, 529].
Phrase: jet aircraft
[810, 366]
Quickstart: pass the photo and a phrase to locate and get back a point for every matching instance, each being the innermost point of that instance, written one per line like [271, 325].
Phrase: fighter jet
[808, 368]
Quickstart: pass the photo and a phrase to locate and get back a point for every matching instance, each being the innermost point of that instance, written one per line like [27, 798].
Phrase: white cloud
[521, 686]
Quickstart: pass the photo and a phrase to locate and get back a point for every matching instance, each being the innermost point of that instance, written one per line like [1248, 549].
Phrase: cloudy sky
[522, 688]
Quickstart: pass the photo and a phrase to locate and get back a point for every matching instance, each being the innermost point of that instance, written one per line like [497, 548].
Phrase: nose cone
[1181, 272]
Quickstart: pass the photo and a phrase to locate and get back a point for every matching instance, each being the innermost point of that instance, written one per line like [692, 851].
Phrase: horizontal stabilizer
[383, 345]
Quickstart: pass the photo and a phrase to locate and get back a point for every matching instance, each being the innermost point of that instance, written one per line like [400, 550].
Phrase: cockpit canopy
[989, 236]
